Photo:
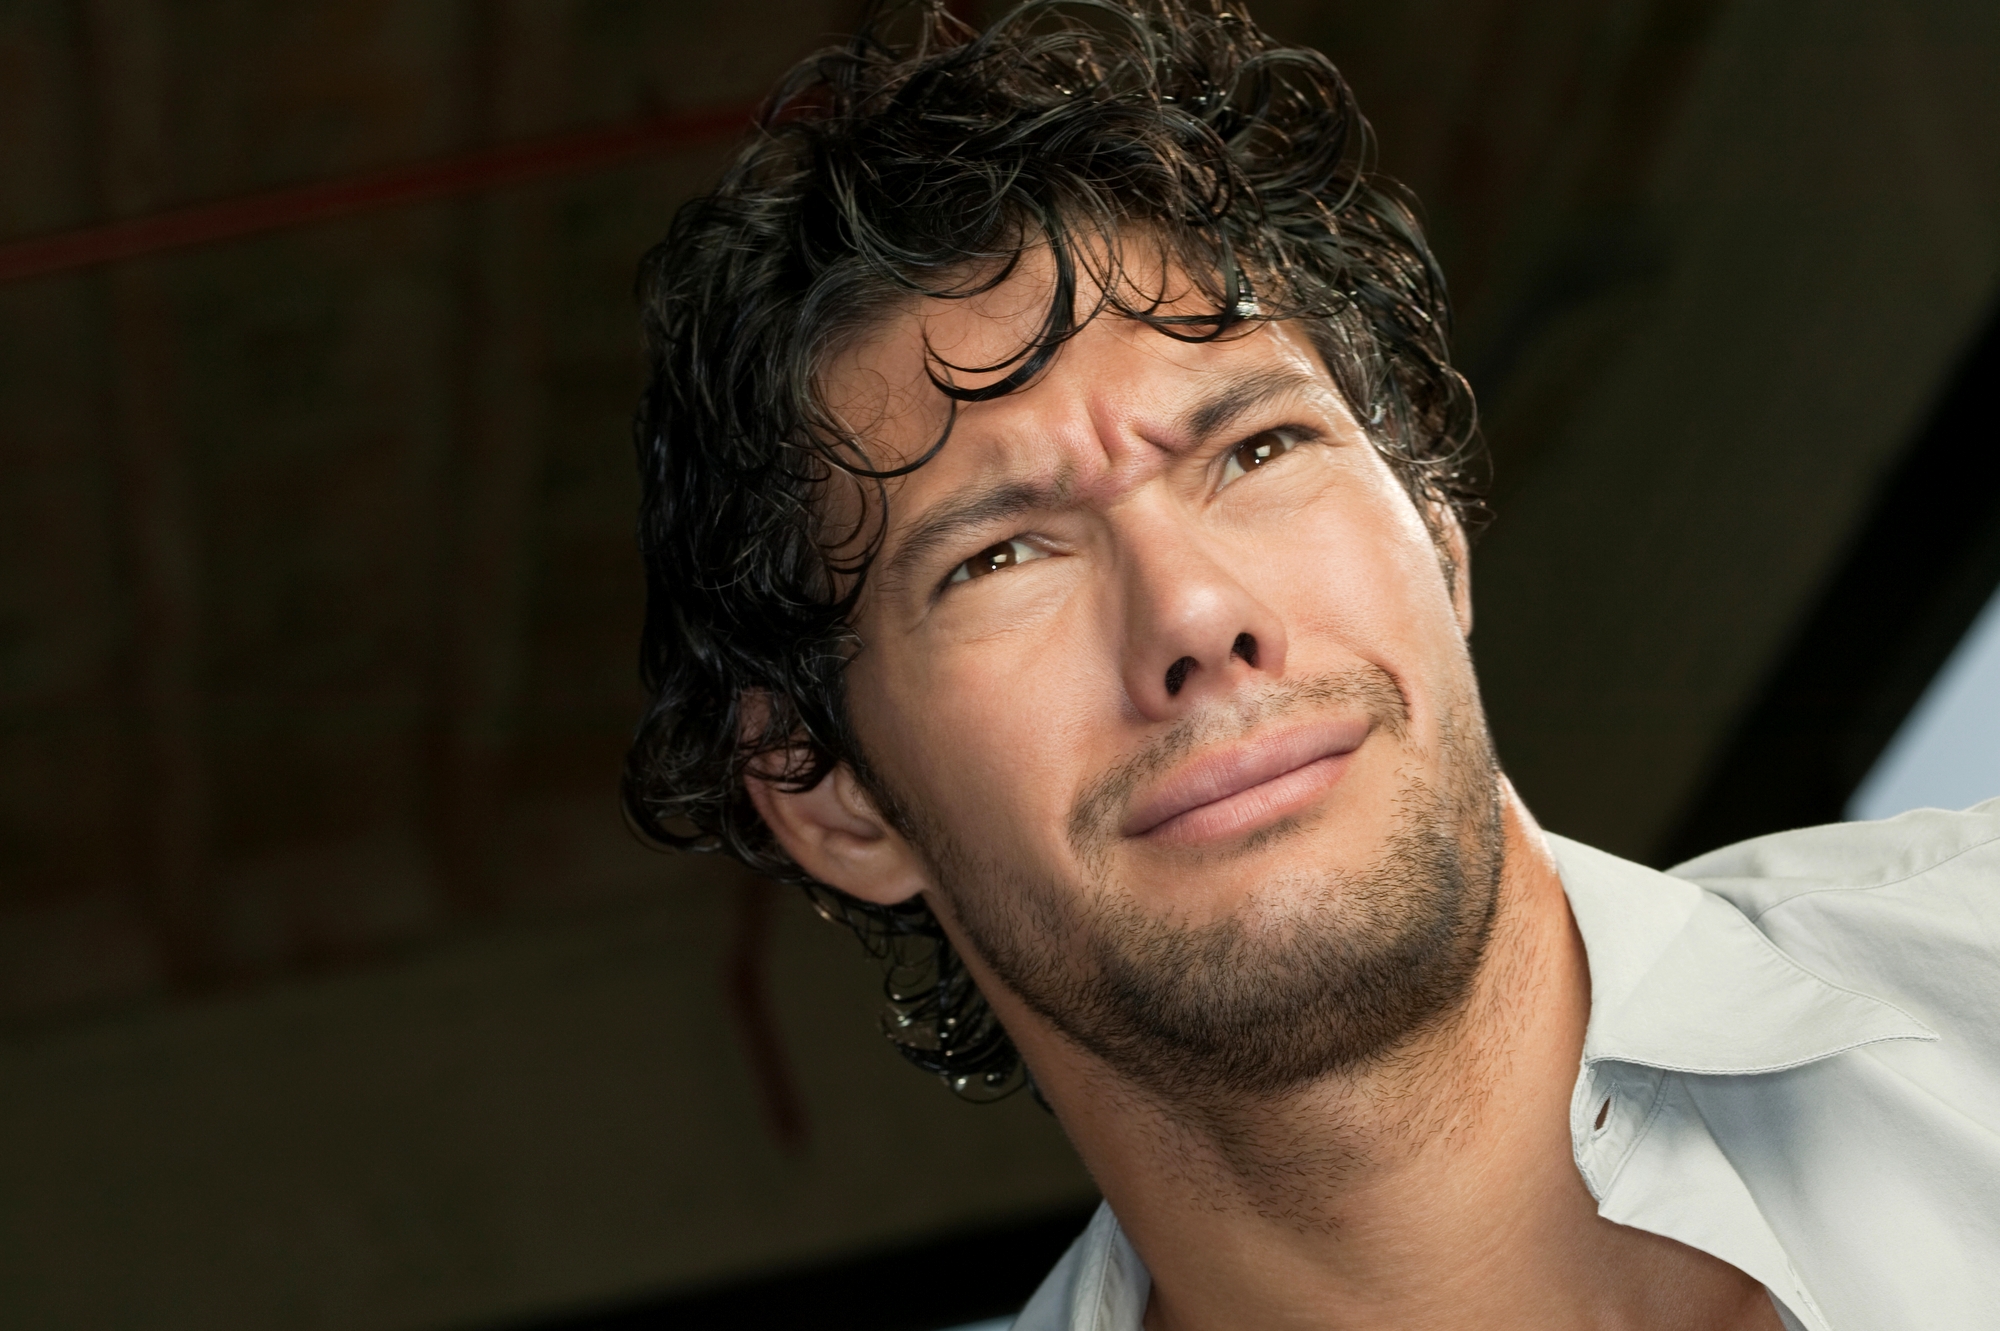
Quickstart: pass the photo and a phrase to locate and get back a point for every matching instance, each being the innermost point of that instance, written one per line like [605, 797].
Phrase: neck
[1434, 1188]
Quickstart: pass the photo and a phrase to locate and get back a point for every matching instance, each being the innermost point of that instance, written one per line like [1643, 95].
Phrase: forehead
[880, 384]
[1115, 384]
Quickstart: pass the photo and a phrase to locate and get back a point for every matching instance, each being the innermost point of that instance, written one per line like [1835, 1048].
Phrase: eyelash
[1003, 554]
[1014, 551]
[1289, 437]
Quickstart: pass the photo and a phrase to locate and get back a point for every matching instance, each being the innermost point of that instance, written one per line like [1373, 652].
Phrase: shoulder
[1875, 1166]
[1906, 909]
[1926, 852]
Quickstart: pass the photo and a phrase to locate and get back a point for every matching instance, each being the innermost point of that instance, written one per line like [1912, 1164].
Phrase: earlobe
[834, 832]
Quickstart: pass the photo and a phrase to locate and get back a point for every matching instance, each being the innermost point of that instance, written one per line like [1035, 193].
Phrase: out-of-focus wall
[318, 626]
[1714, 261]
[332, 991]
[509, 1124]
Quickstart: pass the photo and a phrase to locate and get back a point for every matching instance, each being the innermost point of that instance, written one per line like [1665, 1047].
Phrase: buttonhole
[1603, 1112]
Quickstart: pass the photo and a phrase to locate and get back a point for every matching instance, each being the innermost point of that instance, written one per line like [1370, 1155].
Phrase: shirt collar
[1681, 980]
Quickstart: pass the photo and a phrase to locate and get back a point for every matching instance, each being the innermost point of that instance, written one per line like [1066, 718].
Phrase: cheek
[1363, 570]
[991, 739]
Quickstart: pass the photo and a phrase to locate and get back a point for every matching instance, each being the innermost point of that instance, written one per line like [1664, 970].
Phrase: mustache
[1368, 689]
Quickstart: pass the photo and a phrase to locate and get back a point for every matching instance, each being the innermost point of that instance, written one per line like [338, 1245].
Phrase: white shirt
[1799, 1038]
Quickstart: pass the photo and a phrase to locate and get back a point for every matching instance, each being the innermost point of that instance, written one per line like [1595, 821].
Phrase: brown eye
[1005, 554]
[1255, 451]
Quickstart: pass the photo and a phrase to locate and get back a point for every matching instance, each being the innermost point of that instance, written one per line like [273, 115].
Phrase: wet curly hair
[924, 158]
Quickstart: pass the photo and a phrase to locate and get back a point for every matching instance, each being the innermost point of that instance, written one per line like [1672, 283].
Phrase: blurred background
[333, 992]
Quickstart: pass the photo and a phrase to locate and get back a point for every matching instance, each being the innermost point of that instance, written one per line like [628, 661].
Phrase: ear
[834, 833]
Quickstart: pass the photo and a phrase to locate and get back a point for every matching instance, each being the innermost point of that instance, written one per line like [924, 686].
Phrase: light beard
[1327, 974]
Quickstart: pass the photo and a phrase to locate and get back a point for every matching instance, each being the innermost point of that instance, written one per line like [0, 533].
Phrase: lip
[1239, 787]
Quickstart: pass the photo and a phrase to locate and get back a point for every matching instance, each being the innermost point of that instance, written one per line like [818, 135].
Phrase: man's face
[1164, 670]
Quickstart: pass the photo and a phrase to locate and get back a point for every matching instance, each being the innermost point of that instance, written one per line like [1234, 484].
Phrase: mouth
[1238, 788]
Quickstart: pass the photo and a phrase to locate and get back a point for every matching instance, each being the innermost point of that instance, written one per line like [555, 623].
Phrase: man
[1056, 503]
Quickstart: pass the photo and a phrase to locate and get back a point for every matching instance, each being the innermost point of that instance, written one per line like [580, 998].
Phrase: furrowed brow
[1239, 395]
[948, 521]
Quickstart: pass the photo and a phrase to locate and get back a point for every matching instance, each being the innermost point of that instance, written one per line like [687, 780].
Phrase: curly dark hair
[924, 158]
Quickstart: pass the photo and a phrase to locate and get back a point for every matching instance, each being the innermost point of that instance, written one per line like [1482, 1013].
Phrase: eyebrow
[943, 525]
[1239, 395]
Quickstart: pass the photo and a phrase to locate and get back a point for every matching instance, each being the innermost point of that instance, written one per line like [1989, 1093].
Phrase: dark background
[332, 991]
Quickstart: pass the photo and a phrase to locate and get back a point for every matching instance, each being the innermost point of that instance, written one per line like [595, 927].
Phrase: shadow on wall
[1912, 582]
[981, 1276]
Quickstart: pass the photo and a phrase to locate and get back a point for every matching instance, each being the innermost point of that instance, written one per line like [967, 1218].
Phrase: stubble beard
[1317, 977]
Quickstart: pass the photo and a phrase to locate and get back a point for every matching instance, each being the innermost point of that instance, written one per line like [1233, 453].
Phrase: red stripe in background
[747, 989]
[420, 182]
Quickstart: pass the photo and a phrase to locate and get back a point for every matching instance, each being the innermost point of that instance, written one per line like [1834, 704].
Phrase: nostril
[1177, 674]
[1245, 646]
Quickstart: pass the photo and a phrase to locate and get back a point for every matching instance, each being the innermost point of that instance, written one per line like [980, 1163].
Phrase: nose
[1195, 629]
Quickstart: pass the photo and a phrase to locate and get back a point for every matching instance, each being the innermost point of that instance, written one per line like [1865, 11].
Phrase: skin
[1433, 1188]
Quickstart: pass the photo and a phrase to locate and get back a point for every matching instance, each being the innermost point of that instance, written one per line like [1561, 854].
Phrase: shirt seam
[1804, 892]
[1768, 1068]
[1788, 959]
[1645, 1129]
[1103, 1274]
[1579, 1137]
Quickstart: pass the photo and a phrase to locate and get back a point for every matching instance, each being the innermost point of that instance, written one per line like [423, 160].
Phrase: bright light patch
[1947, 754]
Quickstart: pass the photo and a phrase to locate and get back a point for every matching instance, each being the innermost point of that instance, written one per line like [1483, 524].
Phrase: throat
[1390, 1193]
[1316, 1159]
